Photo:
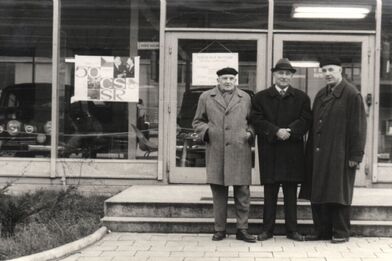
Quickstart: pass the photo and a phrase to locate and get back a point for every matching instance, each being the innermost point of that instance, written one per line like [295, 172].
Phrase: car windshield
[26, 97]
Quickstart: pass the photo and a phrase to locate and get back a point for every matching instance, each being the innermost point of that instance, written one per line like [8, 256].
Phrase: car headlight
[41, 138]
[29, 128]
[1, 128]
[14, 127]
[48, 127]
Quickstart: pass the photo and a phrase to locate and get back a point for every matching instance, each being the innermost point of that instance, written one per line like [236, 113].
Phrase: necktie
[282, 92]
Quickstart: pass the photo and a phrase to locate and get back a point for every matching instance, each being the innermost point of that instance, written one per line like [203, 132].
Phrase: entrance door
[186, 155]
[355, 53]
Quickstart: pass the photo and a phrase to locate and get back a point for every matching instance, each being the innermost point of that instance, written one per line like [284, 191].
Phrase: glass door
[355, 52]
[185, 81]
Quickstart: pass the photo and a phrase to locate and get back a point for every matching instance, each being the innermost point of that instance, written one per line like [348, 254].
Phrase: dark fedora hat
[227, 70]
[330, 61]
[283, 64]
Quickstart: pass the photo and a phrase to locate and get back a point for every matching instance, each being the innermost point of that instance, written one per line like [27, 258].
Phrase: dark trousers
[290, 206]
[331, 220]
[241, 202]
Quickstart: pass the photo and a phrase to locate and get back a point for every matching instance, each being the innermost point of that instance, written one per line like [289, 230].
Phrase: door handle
[369, 99]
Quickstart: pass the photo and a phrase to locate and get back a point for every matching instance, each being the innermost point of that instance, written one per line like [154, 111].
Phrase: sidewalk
[200, 247]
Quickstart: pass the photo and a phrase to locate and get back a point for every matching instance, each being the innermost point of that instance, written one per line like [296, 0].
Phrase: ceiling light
[330, 12]
[304, 64]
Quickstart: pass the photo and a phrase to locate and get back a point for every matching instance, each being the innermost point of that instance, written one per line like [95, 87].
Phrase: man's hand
[283, 134]
[353, 164]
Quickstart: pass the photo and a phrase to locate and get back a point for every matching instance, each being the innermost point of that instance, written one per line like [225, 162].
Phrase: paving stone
[167, 248]
[315, 254]
[187, 253]
[342, 259]
[153, 253]
[232, 248]
[221, 254]
[200, 248]
[134, 248]
[201, 259]
[91, 253]
[237, 259]
[170, 258]
[118, 253]
[95, 258]
[290, 254]
[271, 259]
[266, 249]
[256, 254]
[128, 258]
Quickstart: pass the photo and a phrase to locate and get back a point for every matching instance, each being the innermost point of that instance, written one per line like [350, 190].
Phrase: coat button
[317, 149]
[320, 121]
[227, 143]
[227, 128]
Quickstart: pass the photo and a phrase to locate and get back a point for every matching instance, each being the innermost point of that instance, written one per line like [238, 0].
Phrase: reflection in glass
[305, 57]
[25, 78]
[251, 14]
[284, 11]
[111, 130]
[190, 151]
[385, 105]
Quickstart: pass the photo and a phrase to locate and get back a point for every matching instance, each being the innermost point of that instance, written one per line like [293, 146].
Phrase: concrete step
[205, 210]
[206, 225]
[189, 208]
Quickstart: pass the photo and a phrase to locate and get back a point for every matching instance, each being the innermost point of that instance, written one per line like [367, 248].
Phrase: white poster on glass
[106, 78]
[205, 65]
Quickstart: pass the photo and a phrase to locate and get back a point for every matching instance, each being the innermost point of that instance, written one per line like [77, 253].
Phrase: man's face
[283, 78]
[332, 74]
[117, 61]
[227, 81]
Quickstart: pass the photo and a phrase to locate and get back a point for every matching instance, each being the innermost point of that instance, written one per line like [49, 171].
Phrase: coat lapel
[218, 97]
[234, 100]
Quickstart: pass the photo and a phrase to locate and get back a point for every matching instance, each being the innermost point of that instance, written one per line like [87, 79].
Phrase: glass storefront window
[25, 78]
[247, 14]
[106, 129]
[285, 12]
[385, 111]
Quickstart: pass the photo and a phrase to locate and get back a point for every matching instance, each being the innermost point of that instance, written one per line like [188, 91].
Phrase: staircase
[189, 209]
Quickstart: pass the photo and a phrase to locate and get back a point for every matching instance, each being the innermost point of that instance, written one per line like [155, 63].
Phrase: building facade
[48, 138]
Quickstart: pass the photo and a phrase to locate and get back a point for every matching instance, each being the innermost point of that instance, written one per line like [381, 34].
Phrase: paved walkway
[199, 247]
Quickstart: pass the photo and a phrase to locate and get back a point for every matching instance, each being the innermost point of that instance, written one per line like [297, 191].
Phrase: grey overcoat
[338, 135]
[228, 152]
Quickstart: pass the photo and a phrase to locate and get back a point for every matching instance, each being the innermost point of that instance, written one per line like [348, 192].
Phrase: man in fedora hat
[335, 149]
[281, 116]
[222, 121]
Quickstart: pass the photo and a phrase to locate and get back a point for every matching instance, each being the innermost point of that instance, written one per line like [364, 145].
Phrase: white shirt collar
[279, 89]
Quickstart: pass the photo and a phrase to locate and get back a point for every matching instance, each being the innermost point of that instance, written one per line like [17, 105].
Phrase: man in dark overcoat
[222, 121]
[335, 149]
[281, 117]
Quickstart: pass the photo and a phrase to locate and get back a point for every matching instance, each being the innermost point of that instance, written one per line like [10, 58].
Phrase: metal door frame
[364, 176]
[192, 174]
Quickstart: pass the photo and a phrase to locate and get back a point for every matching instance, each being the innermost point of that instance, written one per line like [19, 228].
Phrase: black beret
[330, 61]
[227, 70]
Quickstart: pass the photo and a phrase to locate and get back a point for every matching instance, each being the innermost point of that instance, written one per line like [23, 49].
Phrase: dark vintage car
[25, 123]
[195, 148]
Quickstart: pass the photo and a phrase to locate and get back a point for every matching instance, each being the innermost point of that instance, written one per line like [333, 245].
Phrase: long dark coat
[228, 153]
[338, 135]
[281, 161]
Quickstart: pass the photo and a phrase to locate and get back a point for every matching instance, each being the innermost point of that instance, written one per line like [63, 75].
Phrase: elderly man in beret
[335, 149]
[281, 117]
[222, 121]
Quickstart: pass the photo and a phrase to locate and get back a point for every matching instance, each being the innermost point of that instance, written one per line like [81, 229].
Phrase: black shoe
[242, 234]
[337, 240]
[219, 235]
[264, 236]
[296, 236]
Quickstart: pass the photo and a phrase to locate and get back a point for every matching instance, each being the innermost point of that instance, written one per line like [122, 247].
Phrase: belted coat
[337, 136]
[228, 150]
[281, 160]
